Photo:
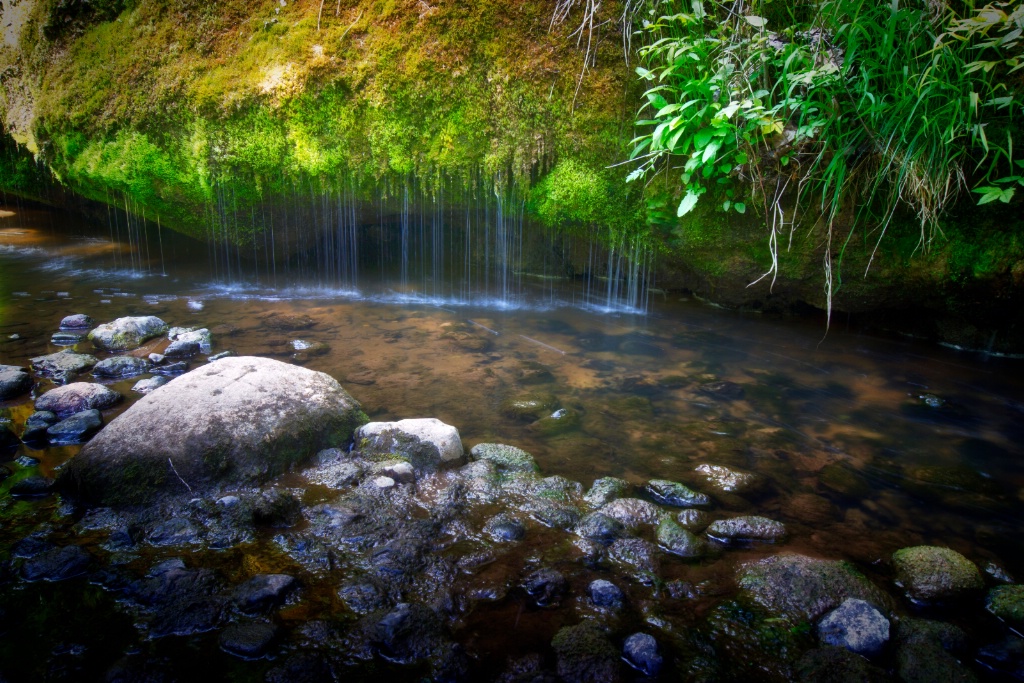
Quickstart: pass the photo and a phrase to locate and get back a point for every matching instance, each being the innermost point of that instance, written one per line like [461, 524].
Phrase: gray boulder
[14, 381]
[505, 458]
[633, 512]
[750, 528]
[678, 541]
[641, 652]
[237, 422]
[426, 443]
[605, 490]
[930, 573]
[127, 333]
[120, 366]
[857, 626]
[63, 365]
[802, 587]
[76, 397]
[187, 341]
[605, 594]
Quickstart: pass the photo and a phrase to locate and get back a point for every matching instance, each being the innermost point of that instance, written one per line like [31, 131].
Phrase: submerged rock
[127, 333]
[928, 651]
[505, 458]
[605, 594]
[727, 480]
[76, 397]
[236, 422]
[804, 587]
[676, 494]
[121, 366]
[857, 626]
[56, 564]
[750, 528]
[600, 528]
[150, 384]
[14, 381]
[546, 586]
[930, 573]
[63, 365]
[504, 527]
[426, 443]
[264, 592]
[837, 665]
[33, 485]
[638, 557]
[248, 640]
[530, 407]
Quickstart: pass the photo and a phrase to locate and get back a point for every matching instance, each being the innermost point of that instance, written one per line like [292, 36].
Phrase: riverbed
[864, 442]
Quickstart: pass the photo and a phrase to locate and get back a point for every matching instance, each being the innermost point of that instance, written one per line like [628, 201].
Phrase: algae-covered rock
[678, 541]
[749, 528]
[638, 557]
[1007, 603]
[837, 665]
[427, 443]
[505, 458]
[530, 407]
[633, 512]
[236, 422]
[804, 587]
[641, 652]
[585, 655]
[605, 490]
[844, 480]
[120, 366]
[600, 528]
[693, 520]
[929, 651]
[676, 494]
[63, 365]
[127, 333]
[930, 573]
[558, 422]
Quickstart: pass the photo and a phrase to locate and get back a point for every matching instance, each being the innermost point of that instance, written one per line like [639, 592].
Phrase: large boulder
[802, 587]
[76, 397]
[427, 443]
[127, 333]
[237, 422]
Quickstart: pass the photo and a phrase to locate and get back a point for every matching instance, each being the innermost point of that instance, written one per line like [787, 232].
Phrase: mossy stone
[1007, 602]
[929, 573]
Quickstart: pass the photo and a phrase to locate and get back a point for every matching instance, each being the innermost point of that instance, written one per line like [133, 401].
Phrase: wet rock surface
[62, 366]
[76, 397]
[750, 528]
[75, 428]
[14, 381]
[676, 494]
[118, 367]
[857, 626]
[126, 333]
[930, 573]
[426, 443]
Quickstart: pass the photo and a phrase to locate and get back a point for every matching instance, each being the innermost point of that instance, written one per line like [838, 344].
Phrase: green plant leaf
[740, 207]
[689, 201]
[755, 21]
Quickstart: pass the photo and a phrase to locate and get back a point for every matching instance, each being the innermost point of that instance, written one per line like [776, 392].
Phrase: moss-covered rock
[505, 458]
[929, 573]
[586, 655]
[1007, 603]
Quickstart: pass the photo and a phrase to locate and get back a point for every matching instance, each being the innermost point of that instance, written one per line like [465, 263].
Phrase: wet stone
[120, 367]
[585, 655]
[1007, 603]
[77, 428]
[14, 381]
[553, 513]
[56, 564]
[728, 480]
[632, 512]
[408, 633]
[363, 597]
[605, 490]
[1005, 656]
[504, 527]
[505, 458]
[222, 354]
[76, 397]
[171, 369]
[676, 494]
[641, 652]
[176, 531]
[600, 528]
[678, 541]
[693, 520]
[66, 338]
[605, 594]
[929, 573]
[8, 439]
[546, 586]
[63, 365]
[77, 321]
[723, 391]
[640, 557]
[248, 640]
[750, 528]
[31, 486]
[857, 626]
[928, 651]
[126, 333]
[263, 592]
[150, 384]
[837, 665]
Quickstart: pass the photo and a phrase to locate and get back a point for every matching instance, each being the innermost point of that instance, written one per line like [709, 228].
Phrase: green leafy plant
[842, 117]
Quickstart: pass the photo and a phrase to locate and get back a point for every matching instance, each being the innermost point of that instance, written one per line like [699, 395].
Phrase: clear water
[869, 443]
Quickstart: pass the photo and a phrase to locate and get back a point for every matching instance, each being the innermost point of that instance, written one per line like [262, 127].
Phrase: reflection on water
[867, 444]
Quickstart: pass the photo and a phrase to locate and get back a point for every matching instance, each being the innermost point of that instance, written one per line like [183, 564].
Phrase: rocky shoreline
[338, 548]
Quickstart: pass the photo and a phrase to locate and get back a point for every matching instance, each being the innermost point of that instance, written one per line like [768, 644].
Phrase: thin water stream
[866, 444]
